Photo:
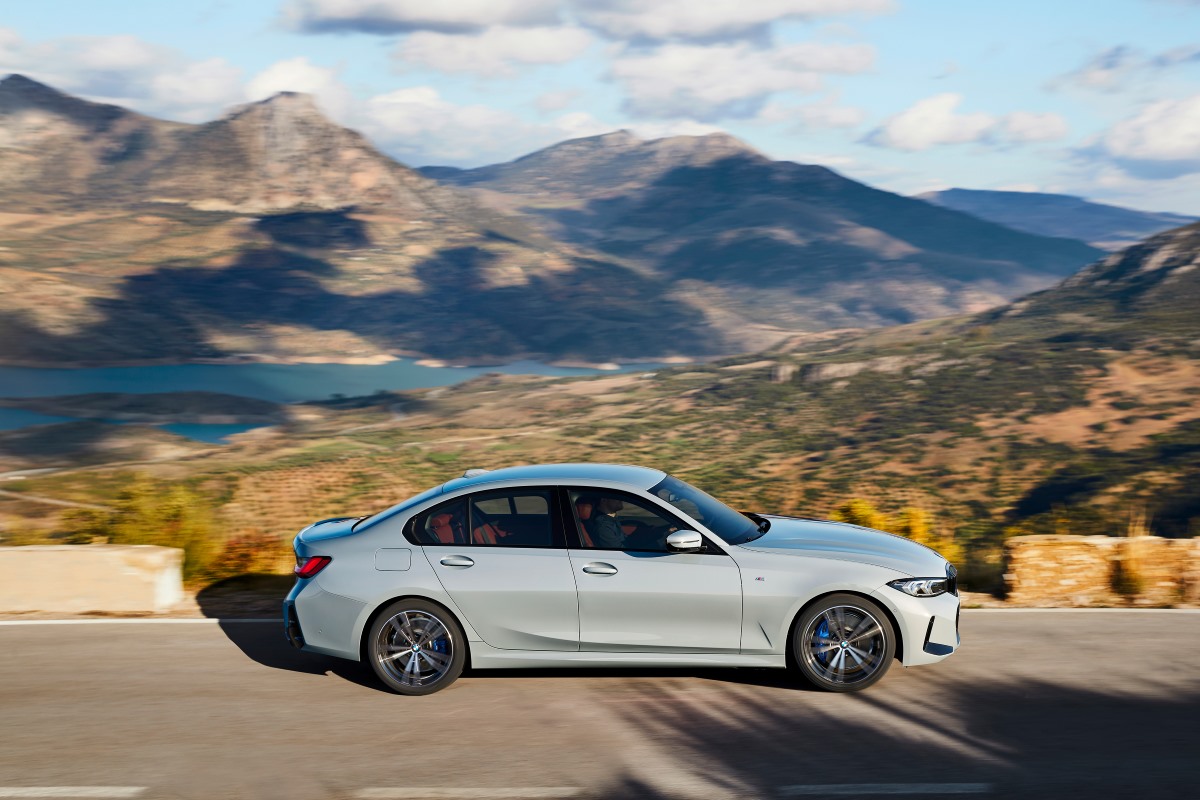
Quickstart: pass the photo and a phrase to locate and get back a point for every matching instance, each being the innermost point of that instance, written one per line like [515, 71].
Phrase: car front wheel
[416, 647]
[843, 643]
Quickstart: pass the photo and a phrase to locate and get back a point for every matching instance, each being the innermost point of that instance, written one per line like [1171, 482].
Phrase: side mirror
[685, 542]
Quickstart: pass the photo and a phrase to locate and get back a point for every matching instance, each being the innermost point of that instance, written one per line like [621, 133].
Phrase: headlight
[922, 587]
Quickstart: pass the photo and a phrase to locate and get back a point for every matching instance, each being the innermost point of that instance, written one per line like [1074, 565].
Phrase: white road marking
[137, 621]
[1082, 610]
[856, 789]
[71, 791]
[446, 793]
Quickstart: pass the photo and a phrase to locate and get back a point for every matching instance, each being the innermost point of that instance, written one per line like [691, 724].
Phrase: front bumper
[928, 625]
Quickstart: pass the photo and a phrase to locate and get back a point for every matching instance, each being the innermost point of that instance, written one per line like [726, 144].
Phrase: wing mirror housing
[685, 542]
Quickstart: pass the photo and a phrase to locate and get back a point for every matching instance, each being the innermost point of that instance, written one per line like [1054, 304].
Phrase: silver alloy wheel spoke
[872, 631]
[436, 660]
[863, 628]
[862, 662]
[410, 669]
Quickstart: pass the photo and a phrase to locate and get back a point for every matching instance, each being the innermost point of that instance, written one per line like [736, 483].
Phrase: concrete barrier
[1065, 570]
[92, 577]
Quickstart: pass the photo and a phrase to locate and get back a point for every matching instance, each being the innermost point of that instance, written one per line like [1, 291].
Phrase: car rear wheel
[843, 643]
[416, 647]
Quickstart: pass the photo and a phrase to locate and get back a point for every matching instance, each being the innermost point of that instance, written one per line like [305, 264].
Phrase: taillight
[308, 567]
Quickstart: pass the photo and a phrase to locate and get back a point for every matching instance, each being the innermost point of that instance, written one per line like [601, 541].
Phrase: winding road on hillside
[1037, 704]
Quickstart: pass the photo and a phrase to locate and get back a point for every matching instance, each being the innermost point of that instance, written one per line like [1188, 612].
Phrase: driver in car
[605, 530]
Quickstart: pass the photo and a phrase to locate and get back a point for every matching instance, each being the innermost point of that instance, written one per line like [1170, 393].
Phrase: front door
[634, 594]
[500, 555]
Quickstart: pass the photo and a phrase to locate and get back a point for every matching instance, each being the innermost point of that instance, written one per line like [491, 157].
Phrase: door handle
[599, 568]
[457, 561]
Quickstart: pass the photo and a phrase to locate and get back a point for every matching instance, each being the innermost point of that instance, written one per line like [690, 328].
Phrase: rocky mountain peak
[701, 149]
[286, 105]
[19, 93]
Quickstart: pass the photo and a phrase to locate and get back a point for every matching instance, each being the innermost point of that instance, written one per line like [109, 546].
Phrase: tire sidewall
[815, 610]
[458, 658]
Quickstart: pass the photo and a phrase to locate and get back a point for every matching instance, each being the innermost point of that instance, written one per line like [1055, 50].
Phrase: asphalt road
[1036, 704]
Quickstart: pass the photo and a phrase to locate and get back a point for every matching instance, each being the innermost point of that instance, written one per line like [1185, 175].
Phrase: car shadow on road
[247, 609]
[745, 676]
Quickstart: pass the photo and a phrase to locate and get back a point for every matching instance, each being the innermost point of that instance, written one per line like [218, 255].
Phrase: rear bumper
[928, 625]
[291, 625]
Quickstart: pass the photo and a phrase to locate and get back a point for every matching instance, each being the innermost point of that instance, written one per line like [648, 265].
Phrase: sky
[1099, 99]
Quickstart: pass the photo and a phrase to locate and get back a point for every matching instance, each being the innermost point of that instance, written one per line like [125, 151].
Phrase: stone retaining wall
[1102, 570]
[76, 579]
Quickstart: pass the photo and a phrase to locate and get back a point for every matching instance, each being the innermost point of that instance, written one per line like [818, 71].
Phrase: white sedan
[601, 564]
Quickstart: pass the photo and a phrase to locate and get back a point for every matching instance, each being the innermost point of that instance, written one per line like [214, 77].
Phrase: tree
[860, 512]
[157, 513]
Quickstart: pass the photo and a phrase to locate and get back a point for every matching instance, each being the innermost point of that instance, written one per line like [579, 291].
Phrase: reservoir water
[280, 383]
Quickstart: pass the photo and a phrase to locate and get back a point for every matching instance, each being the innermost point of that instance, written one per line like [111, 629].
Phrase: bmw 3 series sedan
[602, 564]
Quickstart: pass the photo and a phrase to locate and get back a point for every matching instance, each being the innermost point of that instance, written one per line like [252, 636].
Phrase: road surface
[1036, 705]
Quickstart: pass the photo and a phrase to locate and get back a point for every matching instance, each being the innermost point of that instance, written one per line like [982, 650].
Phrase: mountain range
[275, 233]
[1100, 225]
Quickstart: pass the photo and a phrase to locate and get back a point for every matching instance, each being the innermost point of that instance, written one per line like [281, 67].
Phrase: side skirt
[485, 657]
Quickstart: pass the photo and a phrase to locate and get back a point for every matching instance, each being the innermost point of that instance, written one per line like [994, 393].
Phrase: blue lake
[280, 383]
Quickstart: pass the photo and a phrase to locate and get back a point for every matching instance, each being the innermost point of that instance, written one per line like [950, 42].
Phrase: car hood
[822, 539]
[327, 529]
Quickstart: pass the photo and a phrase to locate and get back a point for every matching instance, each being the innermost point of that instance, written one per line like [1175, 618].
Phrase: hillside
[1100, 225]
[799, 245]
[274, 233]
[1072, 410]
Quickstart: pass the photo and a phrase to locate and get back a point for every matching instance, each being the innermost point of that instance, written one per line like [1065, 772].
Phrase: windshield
[732, 526]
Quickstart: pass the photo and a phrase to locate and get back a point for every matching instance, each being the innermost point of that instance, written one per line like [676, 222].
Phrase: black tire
[416, 647]
[843, 643]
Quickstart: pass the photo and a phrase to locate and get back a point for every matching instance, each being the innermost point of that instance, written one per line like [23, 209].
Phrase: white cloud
[1030, 126]
[1162, 140]
[1018, 187]
[932, 121]
[1106, 182]
[399, 16]
[495, 51]
[301, 75]
[719, 81]
[196, 90]
[708, 20]
[663, 130]
[1106, 71]
[422, 127]
[127, 71]
[1117, 68]
[936, 121]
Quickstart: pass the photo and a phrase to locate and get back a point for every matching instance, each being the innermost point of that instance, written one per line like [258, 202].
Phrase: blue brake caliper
[823, 632]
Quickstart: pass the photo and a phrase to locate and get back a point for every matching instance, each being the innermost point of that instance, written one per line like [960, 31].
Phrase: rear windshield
[407, 504]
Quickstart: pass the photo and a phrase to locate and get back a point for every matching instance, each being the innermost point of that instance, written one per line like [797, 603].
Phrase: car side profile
[601, 564]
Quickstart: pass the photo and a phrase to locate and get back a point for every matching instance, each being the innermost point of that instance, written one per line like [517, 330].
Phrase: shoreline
[417, 359]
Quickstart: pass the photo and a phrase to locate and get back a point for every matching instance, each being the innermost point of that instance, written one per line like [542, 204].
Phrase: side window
[610, 520]
[522, 517]
[442, 524]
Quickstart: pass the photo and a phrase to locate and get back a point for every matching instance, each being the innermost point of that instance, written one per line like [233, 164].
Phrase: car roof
[640, 477]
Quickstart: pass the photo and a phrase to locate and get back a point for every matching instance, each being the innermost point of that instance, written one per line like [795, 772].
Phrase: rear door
[501, 556]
